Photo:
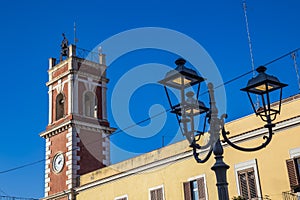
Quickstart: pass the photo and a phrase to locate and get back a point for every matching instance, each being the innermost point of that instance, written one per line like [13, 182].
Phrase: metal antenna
[250, 45]
[294, 57]
[75, 38]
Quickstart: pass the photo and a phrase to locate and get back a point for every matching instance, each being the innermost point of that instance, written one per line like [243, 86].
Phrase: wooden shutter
[292, 172]
[153, 195]
[243, 184]
[251, 183]
[247, 183]
[187, 191]
[201, 188]
[157, 194]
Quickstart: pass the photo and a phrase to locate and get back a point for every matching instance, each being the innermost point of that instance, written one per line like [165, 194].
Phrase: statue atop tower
[64, 47]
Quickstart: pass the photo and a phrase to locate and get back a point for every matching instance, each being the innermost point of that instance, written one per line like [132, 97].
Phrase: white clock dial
[58, 162]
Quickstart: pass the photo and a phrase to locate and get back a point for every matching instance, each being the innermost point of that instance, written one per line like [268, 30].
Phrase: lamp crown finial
[180, 61]
[261, 69]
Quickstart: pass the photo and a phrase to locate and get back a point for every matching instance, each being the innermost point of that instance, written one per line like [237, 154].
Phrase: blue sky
[31, 33]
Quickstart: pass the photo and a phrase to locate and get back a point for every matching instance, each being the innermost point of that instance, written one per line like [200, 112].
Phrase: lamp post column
[220, 169]
[216, 125]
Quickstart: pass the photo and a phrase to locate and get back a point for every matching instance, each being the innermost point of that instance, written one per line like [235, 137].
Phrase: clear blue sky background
[31, 33]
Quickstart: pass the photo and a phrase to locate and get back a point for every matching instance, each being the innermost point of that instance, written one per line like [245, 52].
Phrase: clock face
[58, 162]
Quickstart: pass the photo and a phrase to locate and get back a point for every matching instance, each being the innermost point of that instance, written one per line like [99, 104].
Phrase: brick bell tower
[77, 134]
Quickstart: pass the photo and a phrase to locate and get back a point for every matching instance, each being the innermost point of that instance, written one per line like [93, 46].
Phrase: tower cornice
[78, 124]
[56, 130]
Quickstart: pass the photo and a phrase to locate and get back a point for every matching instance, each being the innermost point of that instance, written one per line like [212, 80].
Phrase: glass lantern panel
[192, 111]
[178, 80]
[264, 87]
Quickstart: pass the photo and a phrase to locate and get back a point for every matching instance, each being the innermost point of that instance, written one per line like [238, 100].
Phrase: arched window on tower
[90, 106]
[60, 106]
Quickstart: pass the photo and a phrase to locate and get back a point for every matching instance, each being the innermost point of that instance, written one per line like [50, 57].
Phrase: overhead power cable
[22, 166]
[6, 197]
[3, 192]
[149, 118]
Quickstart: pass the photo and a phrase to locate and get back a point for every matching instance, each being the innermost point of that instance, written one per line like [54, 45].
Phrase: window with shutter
[247, 183]
[194, 189]
[293, 167]
[157, 194]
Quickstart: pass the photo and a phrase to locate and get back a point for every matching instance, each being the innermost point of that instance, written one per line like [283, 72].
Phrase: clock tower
[77, 133]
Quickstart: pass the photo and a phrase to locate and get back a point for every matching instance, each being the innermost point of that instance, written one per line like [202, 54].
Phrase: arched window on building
[60, 106]
[90, 105]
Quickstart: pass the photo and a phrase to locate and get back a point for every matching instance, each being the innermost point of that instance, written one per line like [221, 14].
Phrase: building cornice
[53, 80]
[140, 169]
[56, 130]
[280, 126]
[59, 195]
[78, 124]
[93, 127]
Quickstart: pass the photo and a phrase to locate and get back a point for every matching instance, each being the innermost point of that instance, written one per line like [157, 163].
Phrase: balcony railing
[87, 54]
[82, 53]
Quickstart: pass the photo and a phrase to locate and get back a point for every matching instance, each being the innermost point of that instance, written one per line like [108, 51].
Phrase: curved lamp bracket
[263, 145]
[198, 159]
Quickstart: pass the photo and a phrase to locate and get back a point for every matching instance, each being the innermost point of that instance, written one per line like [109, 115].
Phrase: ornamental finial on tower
[102, 60]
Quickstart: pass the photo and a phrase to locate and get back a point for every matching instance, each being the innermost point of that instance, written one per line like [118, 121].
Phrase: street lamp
[182, 78]
[262, 85]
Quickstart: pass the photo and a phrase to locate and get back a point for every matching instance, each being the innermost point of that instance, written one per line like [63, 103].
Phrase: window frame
[196, 178]
[156, 188]
[294, 152]
[240, 167]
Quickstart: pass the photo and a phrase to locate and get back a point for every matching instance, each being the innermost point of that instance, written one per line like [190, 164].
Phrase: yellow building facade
[171, 173]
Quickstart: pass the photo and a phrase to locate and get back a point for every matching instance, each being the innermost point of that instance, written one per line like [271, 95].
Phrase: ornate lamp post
[183, 78]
